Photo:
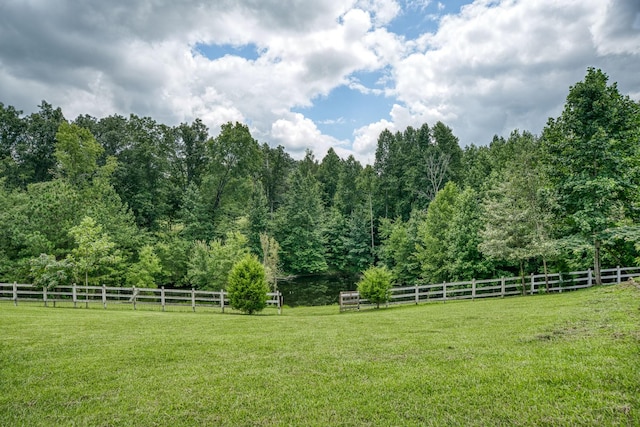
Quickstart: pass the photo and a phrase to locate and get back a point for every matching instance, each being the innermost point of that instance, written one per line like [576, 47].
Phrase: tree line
[127, 200]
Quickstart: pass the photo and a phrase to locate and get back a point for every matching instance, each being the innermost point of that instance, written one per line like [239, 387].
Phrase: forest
[130, 201]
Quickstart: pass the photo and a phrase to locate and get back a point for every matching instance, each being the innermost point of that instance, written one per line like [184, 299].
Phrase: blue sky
[321, 74]
[346, 107]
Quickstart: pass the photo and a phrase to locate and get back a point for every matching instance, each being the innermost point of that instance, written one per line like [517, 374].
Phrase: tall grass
[559, 359]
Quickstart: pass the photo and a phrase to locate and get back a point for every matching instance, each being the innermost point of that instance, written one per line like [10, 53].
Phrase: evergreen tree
[328, 175]
[248, 285]
[299, 225]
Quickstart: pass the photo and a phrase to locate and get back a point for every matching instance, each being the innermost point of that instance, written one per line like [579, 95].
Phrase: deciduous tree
[592, 157]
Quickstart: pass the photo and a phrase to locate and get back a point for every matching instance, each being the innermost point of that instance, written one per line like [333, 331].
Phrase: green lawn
[560, 359]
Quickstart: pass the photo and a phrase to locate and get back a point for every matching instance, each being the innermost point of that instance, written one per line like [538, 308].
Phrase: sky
[317, 73]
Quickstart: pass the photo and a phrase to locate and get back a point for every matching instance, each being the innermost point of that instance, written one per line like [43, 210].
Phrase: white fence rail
[103, 295]
[534, 284]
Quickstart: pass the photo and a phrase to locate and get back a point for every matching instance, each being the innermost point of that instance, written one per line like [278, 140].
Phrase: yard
[555, 359]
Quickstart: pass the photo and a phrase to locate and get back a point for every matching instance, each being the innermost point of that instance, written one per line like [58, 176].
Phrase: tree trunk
[596, 261]
[371, 217]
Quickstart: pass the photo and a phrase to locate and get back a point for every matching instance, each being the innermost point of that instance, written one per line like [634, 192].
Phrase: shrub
[47, 272]
[375, 285]
[247, 285]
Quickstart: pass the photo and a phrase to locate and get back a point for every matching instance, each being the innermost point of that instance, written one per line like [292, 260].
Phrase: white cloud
[366, 137]
[495, 66]
[297, 133]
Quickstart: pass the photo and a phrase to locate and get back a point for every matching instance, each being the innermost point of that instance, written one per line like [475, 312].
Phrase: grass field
[559, 359]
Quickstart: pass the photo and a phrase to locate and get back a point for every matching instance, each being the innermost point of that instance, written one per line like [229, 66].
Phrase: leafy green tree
[48, 272]
[95, 251]
[192, 148]
[431, 249]
[173, 252]
[248, 285]
[477, 166]
[210, 263]
[234, 154]
[592, 157]
[34, 151]
[366, 186]
[447, 146]
[309, 165]
[375, 285]
[270, 259]
[334, 237]
[42, 217]
[347, 196]
[328, 176]
[212, 209]
[111, 132]
[518, 224]
[299, 225]
[398, 248]
[461, 240]
[258, 217]
[388, 169]
[12, 131]
[347, 241]
[143, 166]
[277, 165]
[77, 153]
[144, 272]
[359, 253]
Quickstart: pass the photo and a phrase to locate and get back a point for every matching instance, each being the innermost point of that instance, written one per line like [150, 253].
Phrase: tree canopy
[119, 200]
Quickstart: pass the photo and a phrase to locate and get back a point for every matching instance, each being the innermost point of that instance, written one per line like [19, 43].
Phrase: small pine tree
[375, 285]
[247, 285]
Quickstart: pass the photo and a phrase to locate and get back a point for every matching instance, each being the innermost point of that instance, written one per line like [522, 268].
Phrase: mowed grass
[560, 359]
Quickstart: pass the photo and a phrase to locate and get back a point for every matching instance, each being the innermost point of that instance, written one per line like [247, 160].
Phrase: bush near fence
[134, 296]
[487, 288]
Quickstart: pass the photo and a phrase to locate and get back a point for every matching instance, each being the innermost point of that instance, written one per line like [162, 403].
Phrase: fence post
[502, 287]
[473, 289]
[222, 299]
[193, 299]
[279, 296]
[560, 281]
[618, 275]
[589, 278]
[86, 297]
[417, 295]
[75, 295]
[44, 295]
[133, 297]
[444, 292]
[162, 297]
[533, 284]
[104, 296]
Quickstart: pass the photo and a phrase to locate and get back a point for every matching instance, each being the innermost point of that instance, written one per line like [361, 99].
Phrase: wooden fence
[534, 284]
[103, 295]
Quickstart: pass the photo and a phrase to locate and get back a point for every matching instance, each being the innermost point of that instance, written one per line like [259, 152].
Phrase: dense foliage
[122, 200]
[375, 285]
[248, 285]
